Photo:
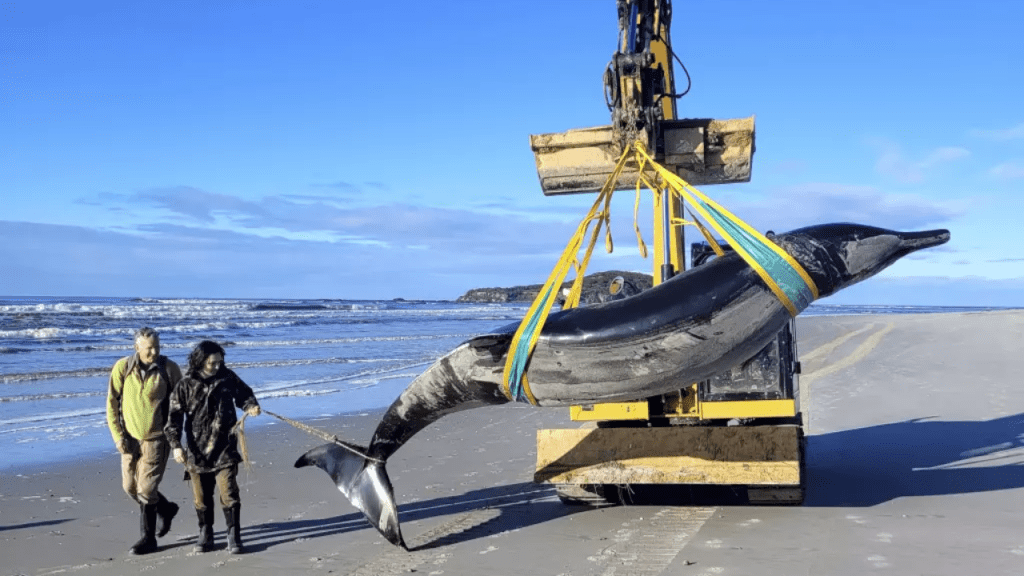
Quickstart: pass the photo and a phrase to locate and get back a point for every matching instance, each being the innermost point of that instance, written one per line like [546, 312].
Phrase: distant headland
[595, 289]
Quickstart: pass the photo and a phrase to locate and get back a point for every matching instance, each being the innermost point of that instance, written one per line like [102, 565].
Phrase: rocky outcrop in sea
[595, 289]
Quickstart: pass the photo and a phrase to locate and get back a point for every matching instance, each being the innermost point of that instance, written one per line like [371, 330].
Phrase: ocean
[303, 358]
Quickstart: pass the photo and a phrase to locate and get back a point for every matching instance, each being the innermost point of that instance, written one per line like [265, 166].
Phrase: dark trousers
[226, 482]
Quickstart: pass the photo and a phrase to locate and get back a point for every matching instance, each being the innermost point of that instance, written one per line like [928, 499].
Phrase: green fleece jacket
[136, 399]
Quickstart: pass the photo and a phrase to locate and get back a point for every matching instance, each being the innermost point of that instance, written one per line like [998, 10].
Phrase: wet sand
[914, 467]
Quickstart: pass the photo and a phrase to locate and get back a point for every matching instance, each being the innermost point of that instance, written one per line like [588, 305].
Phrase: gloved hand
[179, 455]
[254, 410]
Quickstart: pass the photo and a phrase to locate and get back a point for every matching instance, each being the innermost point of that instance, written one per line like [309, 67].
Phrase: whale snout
[852, 253]
[911, 241]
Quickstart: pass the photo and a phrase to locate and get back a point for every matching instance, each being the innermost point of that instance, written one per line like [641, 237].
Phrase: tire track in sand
[857, 355]
[647, 545]
[828, 347]
[438, 541]
[823, 351]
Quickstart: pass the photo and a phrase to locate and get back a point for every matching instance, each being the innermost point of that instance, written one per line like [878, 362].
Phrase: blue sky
[315, 149]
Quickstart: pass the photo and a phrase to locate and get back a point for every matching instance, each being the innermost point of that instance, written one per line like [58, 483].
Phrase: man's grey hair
[146, 332]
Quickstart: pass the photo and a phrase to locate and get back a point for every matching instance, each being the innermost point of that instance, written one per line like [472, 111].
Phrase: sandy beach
[914, 466]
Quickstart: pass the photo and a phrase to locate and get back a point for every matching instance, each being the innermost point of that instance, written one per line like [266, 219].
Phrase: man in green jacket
[137, 404]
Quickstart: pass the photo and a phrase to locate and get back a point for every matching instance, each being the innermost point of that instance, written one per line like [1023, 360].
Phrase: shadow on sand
[922, 457]
[859, 467]
[508, 507]
[39, 524]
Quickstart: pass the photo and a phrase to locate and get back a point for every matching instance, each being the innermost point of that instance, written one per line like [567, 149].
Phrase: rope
[323, 436]
[243, 449]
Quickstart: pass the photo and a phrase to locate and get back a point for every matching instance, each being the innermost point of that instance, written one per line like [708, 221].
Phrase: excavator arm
[639, 90]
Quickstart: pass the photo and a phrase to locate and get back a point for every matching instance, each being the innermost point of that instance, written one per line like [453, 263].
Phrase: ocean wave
[288, 307]
[52, 375]
[376, 373]
[138, 309]
[295, 388]
[354, 384]
[48, 308]
[82, 413]
[295, 393]
[11, 350]
[63, 428]
[361, 306]
[65, 321]
[109, 347]
[127, 347]
[350, 340]
[311, 362]
[52, 333]
[39, 333]
[149, 308]
[263, 343]
[51, 396]
[386, 377]
[222, 326]
[30, 315]
[104, 372]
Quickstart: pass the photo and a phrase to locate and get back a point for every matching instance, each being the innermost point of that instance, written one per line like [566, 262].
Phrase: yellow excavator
[743, 428]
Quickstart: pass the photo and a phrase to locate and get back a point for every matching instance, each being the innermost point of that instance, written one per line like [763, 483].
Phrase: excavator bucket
[701, 151]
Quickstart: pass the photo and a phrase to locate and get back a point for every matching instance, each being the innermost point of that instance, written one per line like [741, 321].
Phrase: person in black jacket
[205, 399]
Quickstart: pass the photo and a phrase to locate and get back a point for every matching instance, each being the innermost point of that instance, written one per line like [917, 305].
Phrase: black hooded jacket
[208, 405]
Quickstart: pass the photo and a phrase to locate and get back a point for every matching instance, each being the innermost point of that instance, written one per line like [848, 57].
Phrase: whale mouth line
[920, 240]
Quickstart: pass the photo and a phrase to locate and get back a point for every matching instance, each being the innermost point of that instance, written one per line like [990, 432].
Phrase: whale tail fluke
[363, 481]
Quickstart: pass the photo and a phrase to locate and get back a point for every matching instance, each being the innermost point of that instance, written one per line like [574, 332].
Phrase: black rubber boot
[166, 510]
[234, 529]
[147, 525]
[205, 541]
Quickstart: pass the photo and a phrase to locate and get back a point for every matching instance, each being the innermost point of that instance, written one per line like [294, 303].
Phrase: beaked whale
[688, 328]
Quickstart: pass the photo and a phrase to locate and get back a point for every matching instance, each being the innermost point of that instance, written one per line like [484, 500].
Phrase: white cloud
[321, 218]
[943, 154]
[308, 246]
[1008, 170]
[820, 203]
[200, 260]
[895, 163]
[1011, 133]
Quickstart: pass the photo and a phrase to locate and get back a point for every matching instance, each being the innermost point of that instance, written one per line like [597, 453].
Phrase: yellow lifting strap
[783, 275]
[786, 278]
[703, 231]
[514, 382]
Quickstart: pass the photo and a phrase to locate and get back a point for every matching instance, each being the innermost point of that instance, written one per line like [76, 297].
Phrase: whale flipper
[364, 482]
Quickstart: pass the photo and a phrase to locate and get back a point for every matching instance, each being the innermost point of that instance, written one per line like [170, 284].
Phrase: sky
[366, 150]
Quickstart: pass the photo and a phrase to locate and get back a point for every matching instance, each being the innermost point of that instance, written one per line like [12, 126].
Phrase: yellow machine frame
[679, 439]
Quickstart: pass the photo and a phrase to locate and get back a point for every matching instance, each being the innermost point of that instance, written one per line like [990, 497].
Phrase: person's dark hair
[199, 354]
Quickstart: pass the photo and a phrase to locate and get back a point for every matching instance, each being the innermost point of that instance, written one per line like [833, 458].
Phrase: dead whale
[688, 328]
